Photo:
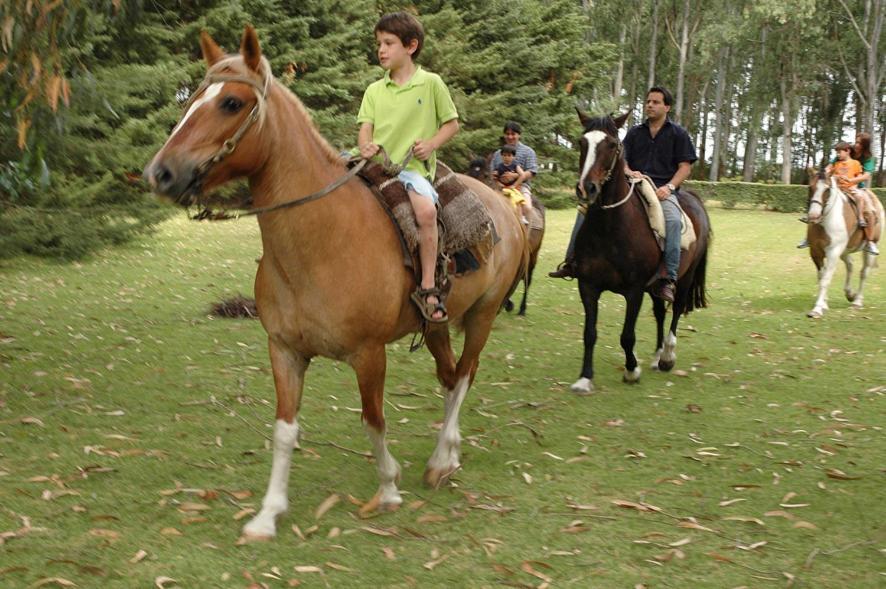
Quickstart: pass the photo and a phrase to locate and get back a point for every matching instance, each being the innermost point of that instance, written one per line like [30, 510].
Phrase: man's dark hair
[668, 99]
[513, 126]
[508, 149]
[843, 146]
[405, 26]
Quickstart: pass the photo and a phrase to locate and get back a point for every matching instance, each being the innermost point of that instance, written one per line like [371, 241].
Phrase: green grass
[121, 401]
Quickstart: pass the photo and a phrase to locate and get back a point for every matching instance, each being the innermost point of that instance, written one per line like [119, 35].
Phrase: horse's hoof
[434, 478]
[509, 306]
[257, 532]
[631, 376]
[252, 539]
[850, 296]
[814, 314]
[666, 365]
[583, 386]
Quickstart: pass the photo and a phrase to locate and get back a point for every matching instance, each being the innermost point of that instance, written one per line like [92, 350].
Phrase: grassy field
[134, 435]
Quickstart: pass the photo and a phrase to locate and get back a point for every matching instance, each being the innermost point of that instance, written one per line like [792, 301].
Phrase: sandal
[427, 310]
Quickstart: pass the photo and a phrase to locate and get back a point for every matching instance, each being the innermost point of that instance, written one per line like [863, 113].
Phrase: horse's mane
[328, 151]
[266, 74]
[604, 123]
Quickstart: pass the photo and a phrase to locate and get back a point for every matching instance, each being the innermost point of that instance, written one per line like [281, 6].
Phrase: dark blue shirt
[503, 168]
[658, 157]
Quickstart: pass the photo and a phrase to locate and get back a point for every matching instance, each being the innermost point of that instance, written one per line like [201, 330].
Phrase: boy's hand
[510, 176]
[423, 149]
[368, 150]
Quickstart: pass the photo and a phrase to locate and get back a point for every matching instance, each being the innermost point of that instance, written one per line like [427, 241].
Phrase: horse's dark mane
[603, 123]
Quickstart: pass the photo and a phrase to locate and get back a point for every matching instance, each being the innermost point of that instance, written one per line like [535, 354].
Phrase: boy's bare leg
[426, 217]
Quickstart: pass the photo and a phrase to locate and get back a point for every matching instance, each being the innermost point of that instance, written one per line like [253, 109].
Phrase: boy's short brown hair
[843, 146]
[405, 26]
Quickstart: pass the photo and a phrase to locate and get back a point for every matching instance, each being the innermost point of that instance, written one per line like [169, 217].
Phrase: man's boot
[665, 289]
[564, 270]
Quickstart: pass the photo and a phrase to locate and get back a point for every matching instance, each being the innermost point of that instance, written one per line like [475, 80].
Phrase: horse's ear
[211, 51]
[620, 121]
[583, 117]
[250, 49]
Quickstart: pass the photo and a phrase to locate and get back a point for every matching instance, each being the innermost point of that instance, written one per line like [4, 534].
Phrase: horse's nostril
[163, 176]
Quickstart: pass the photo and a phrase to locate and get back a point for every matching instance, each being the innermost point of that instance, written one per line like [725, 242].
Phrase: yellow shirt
[401, 115]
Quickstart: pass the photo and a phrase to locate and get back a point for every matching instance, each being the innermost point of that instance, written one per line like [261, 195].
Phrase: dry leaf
[527, 568]
[834, 473]
[243, 513]
[162, 582]
[338, 567]
[730, 502]
[327, 504]
[307, 569]
[389, 554]
[102, 533]
[377, 531]
[139, 556]
[431, 564]
[54, 580]
[682, 542]
[805, 525]
[189, 506]
[431, 518]
[741, 518]
[170, 532]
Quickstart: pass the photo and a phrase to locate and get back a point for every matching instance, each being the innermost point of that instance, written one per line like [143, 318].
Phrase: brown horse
[616, 250]
[331, 281]
[834, 234]
[479, 169]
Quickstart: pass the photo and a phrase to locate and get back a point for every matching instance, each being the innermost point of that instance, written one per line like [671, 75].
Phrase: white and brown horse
[331, 281]
[834, 234]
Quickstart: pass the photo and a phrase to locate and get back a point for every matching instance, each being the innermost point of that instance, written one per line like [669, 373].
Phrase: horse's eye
[231, 104]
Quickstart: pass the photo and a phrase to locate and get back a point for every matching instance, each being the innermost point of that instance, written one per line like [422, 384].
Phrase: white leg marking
[655, 358]
[388, 469]
[633, 375]
[447, 455]
[275, 501]
[669, 354]
[583, 386]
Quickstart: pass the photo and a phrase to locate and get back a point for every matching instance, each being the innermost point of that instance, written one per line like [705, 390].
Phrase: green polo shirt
[401, 115]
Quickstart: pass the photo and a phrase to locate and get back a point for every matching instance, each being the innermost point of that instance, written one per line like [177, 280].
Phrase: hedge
[775, 197]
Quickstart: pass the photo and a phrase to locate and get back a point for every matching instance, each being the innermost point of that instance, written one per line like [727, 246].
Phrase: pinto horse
[616, 250]
[833, 234]
[331, 281]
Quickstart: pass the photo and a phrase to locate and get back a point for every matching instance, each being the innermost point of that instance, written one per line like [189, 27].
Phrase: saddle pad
[464, 219]
[656, 216]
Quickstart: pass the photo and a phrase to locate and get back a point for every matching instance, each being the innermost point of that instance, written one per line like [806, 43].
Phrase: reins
[632, 181]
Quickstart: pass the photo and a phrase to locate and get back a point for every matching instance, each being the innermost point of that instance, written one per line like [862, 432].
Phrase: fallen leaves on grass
[327, 504]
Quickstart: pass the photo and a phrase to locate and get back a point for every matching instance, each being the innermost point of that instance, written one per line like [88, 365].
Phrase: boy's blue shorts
[419, 184]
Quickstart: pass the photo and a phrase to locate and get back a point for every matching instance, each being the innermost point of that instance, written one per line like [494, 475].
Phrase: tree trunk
[681, 69]
[720, 124]
[787, 114]
[749, 167]
[653, 44]
[873, 68]
[703, 143]
[619, 71]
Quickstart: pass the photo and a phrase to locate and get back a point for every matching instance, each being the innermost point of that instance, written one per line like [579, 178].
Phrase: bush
[775, 197]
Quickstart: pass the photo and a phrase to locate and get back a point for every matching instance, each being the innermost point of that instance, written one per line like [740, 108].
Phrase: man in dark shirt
[663, 151]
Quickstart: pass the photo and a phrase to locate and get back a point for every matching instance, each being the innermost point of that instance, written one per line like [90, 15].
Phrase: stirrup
[427, 310]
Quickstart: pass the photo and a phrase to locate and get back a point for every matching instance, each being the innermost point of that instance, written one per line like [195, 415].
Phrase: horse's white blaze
[669, 353]
[388, 469]
[593, 138]
[446, 455]
[275, 501]
[211, 92]
[815, 208]
[582, 386]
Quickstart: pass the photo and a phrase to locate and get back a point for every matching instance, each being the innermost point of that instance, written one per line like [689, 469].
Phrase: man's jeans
[673, 230]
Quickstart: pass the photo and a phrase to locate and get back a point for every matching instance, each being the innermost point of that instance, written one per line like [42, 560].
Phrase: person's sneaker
[564, 270]
[803, 244]
[862, 223]
[665, 290]
[804, 219]
[872, 248]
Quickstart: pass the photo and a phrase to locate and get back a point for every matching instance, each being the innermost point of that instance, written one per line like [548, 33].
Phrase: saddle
[656, 216]
[466, 231]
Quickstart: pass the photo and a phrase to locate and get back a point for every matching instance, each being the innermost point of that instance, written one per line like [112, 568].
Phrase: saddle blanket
[463, 220]
[656, 216]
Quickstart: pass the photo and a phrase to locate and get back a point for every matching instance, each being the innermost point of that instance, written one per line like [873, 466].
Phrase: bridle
[619, 149]
[230, 144]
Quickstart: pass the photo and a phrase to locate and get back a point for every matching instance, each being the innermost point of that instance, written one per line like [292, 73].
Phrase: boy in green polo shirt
[410, 108]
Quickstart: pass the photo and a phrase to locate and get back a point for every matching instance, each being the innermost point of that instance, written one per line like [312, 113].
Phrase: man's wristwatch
[671, 187]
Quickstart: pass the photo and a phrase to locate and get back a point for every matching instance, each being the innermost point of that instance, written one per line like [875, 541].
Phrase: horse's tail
[697, 295]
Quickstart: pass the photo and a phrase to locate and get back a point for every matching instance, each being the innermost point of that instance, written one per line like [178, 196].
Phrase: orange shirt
[849, 168]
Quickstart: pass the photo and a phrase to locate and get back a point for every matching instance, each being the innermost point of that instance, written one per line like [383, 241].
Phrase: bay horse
[479, 169]
[331, 280]
[833, 234]
[616, 250]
